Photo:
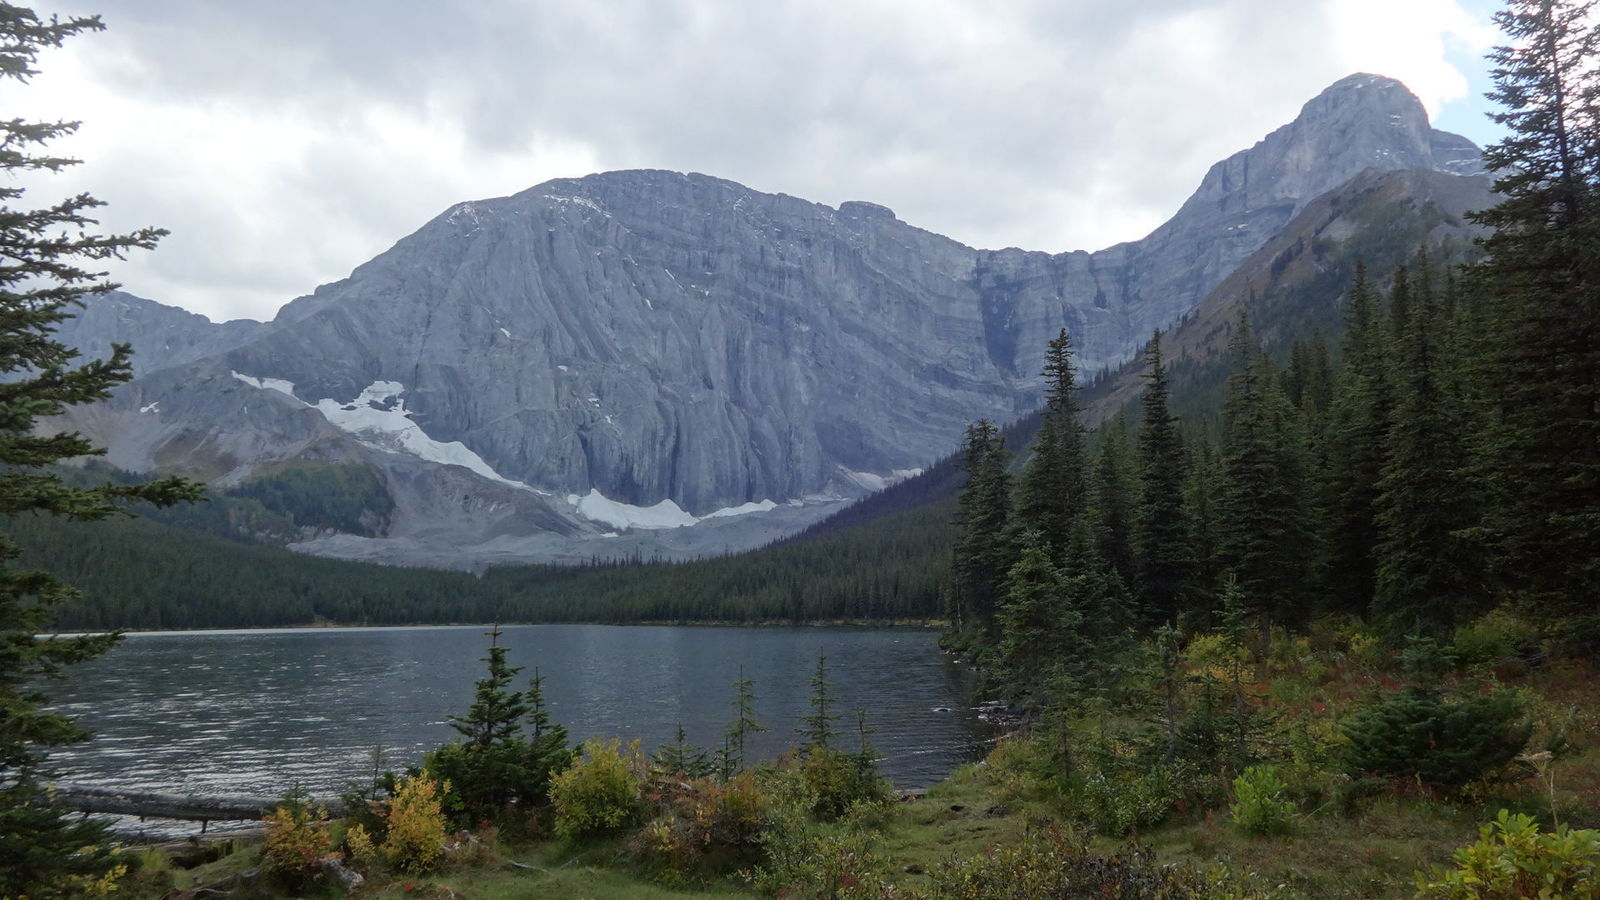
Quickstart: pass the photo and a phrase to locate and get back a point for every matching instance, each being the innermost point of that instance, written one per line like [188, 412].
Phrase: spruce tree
[50, 254]
[1111, 486]
[1096, 593]
[1050, 490]
[983, 553]
[744, 724]
[1039, 629]
[1424, 566]
[1201, 488]
[680, 759]
[549, 749]
[496, 712]
[1356, 446]
[1160, 529]
[819, 732]
[498, 765]
[1540, 284]
[1264, 536]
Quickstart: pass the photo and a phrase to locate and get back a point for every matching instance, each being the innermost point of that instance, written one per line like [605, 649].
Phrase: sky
[285, 143]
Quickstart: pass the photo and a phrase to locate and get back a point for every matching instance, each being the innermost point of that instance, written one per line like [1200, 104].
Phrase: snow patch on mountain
[875, 482]
[269, 384]
[378, 418]
[742, 509]
[597, 507]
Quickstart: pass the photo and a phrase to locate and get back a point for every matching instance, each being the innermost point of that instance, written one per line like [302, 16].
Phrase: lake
[255, 712]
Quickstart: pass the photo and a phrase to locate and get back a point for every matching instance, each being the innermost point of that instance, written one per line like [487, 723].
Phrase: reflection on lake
[255, 712]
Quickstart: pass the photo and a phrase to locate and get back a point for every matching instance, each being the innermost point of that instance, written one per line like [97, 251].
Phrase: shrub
[1259, 806]
[1121, 805]
[1498, 637]
[836, 781]
[359, 846]
[1053, 863]
[297, 838]
[1120, 796]
[416, 825]
[1512, 858]
[804, 862]
[1445, 744]
[365, 801]
[601, 792]
[699, 816]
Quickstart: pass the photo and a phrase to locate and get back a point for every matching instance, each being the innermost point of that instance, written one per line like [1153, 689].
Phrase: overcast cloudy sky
[286, 142]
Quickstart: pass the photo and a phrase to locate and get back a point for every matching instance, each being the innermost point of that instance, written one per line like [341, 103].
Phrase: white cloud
[284, 144]
[1412, 41]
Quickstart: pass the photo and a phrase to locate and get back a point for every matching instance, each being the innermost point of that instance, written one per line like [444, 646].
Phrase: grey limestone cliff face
[660, 336]
[162, 336]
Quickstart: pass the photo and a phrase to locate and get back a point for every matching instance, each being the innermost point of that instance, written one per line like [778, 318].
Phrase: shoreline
[651, 623]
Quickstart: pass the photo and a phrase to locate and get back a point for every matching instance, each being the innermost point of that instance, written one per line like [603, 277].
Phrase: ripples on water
[254, 713]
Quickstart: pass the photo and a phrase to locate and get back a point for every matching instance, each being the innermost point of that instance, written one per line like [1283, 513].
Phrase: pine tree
[1160, 530]
[49, 258]
[1540, 284]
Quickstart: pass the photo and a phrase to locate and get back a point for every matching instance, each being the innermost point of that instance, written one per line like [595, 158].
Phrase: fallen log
[171, 806]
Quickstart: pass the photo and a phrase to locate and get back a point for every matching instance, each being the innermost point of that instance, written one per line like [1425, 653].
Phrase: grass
[1373, 853]
[553, 869]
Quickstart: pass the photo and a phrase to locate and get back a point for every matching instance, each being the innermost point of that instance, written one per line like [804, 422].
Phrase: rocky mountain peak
[647, 350]
[1365, 94]
[1359, 122]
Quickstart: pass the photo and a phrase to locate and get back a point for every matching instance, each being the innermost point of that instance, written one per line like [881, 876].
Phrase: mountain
[648, 363]
[162, 335]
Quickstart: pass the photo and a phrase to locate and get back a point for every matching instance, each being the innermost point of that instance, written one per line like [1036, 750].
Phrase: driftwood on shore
[170, 806]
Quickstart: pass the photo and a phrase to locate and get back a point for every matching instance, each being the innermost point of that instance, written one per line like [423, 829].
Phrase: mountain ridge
[653, 338]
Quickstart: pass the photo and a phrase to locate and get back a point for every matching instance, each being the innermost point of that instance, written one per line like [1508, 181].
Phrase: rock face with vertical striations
[634, 352]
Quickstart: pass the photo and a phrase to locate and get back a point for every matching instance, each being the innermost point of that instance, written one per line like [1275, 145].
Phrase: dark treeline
[142, 573]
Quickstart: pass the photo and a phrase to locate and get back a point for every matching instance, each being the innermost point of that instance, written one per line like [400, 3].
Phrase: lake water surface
[254, 712]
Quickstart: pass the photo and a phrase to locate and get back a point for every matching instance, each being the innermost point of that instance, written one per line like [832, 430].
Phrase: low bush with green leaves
[804, 859]
[1259, 805]
[837, 781]
[602, 792]
[1513, 858]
